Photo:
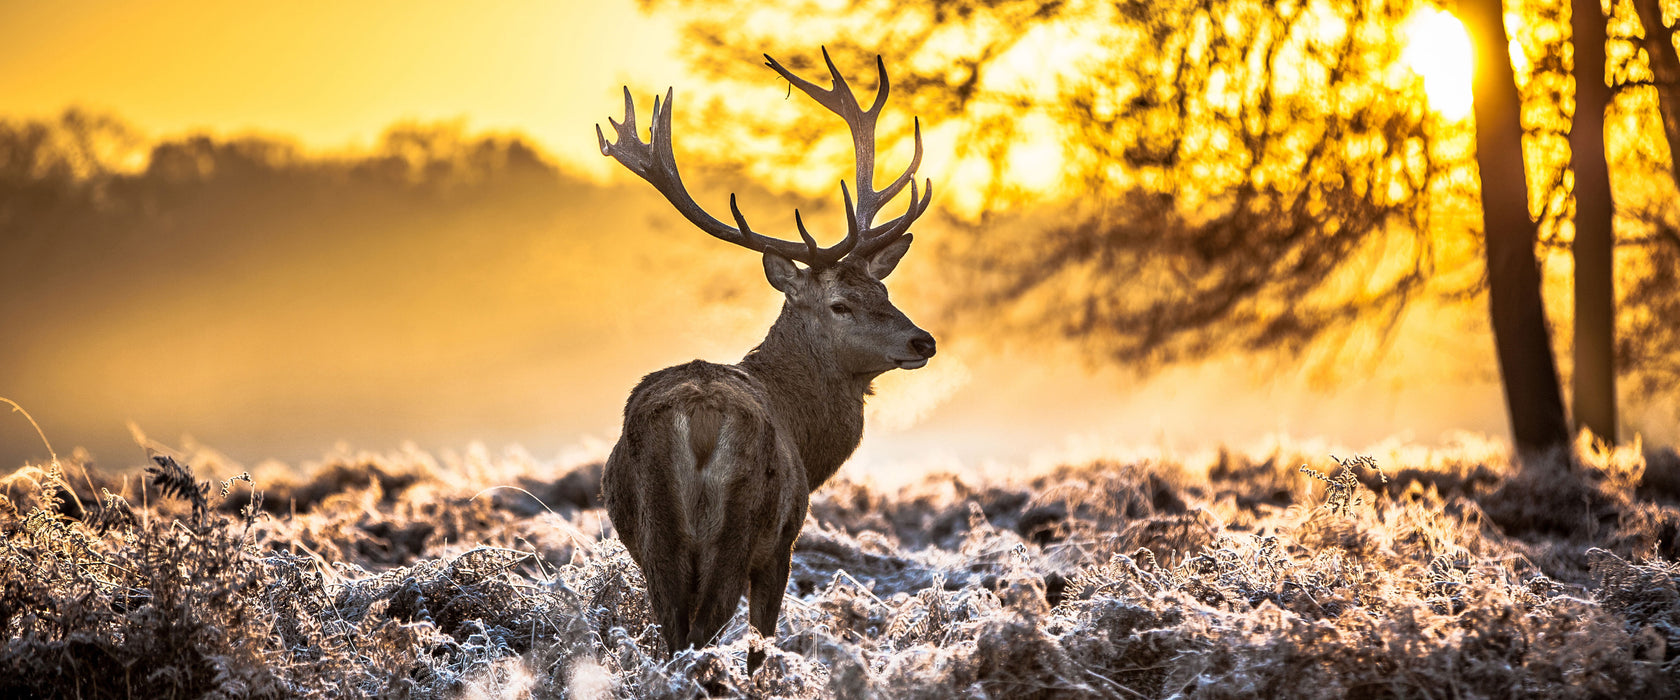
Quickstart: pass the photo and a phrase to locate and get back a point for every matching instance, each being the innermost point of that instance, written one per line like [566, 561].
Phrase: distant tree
[1658, 44]
[1647, 337]
[82, 187]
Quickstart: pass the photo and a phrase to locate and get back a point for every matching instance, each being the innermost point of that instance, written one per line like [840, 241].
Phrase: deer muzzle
[922, 347]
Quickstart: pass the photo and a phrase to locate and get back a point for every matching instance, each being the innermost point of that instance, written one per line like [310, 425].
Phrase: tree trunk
[1665, 69]
[1526, 366]
[1595, 295]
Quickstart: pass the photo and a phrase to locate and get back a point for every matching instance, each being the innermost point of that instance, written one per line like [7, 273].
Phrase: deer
[710, 480]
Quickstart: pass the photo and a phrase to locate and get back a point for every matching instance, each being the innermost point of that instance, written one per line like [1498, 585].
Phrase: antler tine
[880, 236]
[885, 85]
[851, 223]
[822, 257]
[655, 161]
[659, 132]
[838, 99]
[815, 250]
[626, 134]
[740, 220]
[842, 92]
[909, 174]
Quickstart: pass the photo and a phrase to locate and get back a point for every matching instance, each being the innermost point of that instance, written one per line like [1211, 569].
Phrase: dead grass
[1451, 574]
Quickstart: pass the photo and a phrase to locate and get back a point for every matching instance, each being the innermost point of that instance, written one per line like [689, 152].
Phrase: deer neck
[816, 401]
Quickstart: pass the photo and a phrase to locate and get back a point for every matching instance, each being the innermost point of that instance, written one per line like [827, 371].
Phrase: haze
[302, 303]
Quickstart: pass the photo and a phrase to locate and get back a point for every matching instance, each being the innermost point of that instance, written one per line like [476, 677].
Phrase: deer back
[701, 454]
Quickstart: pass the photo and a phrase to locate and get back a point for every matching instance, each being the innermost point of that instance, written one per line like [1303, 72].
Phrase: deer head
[835, 294]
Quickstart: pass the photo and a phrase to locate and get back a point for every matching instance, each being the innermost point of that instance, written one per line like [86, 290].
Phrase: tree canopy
[1228, 174]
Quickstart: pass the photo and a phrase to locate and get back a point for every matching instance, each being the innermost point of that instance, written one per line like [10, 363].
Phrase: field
[1414, 573]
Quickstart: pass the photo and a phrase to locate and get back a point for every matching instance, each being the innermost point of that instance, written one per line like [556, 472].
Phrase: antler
[840, 100]
[653, 161]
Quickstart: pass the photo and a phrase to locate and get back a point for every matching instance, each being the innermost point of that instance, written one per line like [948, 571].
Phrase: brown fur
[704, 423]
[710, 481]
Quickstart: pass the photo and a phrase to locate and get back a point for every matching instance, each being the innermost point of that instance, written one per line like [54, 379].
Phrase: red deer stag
[710, 481]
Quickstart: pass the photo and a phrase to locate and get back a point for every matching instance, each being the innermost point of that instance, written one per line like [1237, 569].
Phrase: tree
[1594, 245]
[1647, 336]
[1524, 344]
[1257, 176]
[1658, 44]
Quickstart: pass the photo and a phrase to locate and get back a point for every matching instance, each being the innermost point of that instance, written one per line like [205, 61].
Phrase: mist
[446, 289]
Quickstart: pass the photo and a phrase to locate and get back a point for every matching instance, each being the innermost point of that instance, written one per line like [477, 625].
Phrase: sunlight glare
[1438, 49]
[1035, 163]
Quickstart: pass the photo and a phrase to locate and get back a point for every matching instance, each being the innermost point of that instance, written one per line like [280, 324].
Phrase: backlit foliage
[1249, 180]
[1341, 492]
[1161, 181]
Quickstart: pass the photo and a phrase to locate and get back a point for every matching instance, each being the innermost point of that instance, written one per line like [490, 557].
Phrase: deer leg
[721, 584]
[669, 593]
[769, 584]
[715, 606]
[730, 500]
[665, 554]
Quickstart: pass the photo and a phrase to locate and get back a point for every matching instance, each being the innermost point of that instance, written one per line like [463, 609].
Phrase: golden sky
[334, 73]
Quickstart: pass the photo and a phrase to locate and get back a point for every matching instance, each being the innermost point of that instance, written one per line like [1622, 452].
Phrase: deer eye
[840, 308]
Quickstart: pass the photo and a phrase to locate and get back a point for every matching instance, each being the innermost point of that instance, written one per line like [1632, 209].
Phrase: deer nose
[922, 344]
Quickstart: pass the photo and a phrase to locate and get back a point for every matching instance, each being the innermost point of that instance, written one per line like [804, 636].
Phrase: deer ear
[780, 271]
[884, 260]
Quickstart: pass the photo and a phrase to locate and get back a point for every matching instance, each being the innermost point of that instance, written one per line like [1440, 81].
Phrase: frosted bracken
[1446, 573]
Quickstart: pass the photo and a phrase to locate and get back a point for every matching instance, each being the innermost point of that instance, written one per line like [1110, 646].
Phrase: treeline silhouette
[244, 288]
[73, 196]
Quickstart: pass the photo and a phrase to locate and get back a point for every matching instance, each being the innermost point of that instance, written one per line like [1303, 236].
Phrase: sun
[1438, 49]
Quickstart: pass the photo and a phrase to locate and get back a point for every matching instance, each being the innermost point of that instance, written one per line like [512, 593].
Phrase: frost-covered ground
[394, 575]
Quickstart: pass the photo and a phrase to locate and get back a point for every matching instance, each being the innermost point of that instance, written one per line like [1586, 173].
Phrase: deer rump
[708, 496]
